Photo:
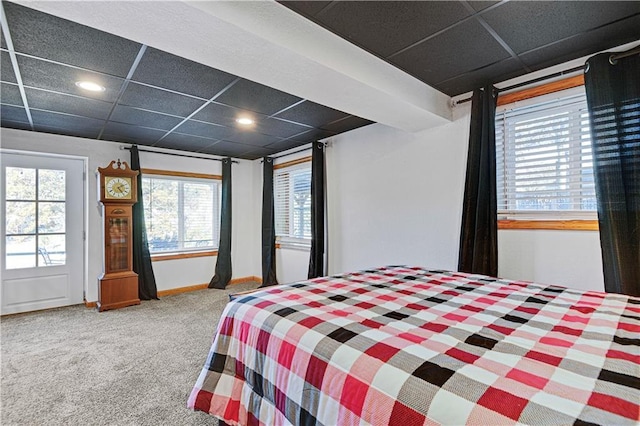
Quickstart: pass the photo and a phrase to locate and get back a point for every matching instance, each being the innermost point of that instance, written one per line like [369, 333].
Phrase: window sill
[561, 225]
[293, 246]
[184, 255]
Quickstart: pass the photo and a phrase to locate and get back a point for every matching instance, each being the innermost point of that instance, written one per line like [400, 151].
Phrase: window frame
[184, 253]
[289, 242]
[546, 220]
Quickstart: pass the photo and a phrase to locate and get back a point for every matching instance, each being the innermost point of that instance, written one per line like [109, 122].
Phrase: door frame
[85, 206]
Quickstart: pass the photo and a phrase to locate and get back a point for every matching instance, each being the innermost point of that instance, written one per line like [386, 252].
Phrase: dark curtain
[613, 98]
[268, 226]
[141, 257]
[479, 234]
[316, 257]
[223, 264]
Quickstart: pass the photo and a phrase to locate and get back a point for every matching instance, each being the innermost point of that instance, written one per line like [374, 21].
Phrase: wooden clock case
[118, 285]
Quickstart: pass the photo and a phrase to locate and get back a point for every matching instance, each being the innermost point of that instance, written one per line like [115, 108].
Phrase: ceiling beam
[266, 42]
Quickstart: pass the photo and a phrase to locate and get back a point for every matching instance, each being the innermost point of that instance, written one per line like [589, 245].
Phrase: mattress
[412, 346]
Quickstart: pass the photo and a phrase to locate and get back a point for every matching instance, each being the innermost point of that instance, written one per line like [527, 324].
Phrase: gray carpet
[132, 366]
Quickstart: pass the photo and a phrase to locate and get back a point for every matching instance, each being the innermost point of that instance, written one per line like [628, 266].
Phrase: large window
[544, 160]
[292, 200]
[181, 213]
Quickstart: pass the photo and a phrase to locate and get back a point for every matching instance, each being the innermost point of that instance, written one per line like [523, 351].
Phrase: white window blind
[292, 202]
[181, 214]
[544, 159]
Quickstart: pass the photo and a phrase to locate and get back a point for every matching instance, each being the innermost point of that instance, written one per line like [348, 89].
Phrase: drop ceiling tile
[127, 139]
[251, 138]
[13, 113]
[479, 5]
[206, 130]
[66, 122]
[548, 21]
[39, 34]
[257, 152]
[256, 97]
[374, 25]
[137, 95]
[313, 114]
[313, 135]
[306, 8]
[285, 145]
[60, 78]
[494, 73]
[184, 142]
[348, 123]
[6, 70]
[227, 149]
[162, 69]
[3, 42]
[15, 124]
[584, 44]
[10, 95]
[133, 133]
[56, 102]
[458, 50]
[124, 114]
[220, 114]
[279, 128]
[79, 133]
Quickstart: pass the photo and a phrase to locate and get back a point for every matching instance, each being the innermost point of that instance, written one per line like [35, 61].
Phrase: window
[35, 212]
[181, 213]
[292, 200]
[544, 160]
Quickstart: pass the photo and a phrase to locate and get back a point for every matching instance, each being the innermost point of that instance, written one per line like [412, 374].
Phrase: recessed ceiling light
[244, 121]
[88, 85]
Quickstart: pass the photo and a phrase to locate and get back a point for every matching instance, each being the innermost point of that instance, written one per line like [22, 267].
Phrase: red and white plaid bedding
[410, 346]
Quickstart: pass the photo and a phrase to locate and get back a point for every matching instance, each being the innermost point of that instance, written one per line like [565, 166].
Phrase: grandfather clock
[118, 285]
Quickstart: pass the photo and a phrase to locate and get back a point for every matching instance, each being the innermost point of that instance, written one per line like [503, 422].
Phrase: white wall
[392, 198]
[396, 198]
[172, 273]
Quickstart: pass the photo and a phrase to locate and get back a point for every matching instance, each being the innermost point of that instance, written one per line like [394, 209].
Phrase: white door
[42, 247]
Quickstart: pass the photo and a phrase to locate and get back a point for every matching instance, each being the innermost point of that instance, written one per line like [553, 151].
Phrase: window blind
[292, 202]
[181, 214]
[543, 157]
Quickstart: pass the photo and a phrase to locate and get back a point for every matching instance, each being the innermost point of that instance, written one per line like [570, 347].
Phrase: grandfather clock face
[117, 188]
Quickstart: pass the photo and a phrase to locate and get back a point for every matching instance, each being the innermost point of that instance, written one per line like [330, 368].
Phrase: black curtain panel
[223, 264]
[479, 234]
[316, 256]
[613, 99]
[147, 289]
[268, 226]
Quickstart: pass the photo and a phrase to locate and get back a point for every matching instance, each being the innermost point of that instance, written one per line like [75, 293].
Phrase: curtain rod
[526, 83]
[128, 148]
[612, 59]
[296, 152]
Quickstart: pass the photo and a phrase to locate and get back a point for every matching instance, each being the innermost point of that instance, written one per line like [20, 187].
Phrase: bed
[411, 346]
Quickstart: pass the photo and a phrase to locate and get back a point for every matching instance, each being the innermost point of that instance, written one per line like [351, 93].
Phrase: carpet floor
[132, 366]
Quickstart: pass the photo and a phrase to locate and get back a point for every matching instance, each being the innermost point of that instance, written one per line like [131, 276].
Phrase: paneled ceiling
[457, 46]
[154, 98]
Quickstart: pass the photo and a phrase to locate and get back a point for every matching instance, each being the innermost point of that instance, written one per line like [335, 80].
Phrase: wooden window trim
[543, 89]
[532, 92]
[559, 225]
[292, 163]
[180, 174]
[174, 256]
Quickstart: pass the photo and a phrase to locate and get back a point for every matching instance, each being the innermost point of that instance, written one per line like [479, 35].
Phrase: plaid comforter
[409, 346]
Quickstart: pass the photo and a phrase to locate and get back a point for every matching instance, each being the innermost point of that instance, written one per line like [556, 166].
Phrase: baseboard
[187, 289]
[179, 290]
